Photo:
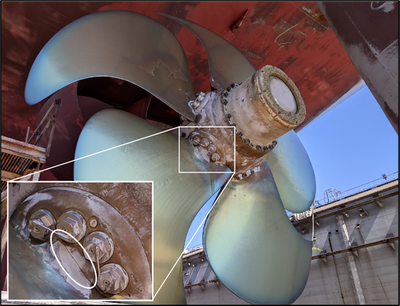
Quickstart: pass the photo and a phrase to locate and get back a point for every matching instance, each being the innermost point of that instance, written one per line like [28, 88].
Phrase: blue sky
[352, 144]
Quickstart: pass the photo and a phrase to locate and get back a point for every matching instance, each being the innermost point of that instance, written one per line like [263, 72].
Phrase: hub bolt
[196, 140]
[73, 223]
[211, 149]
[41, 217]
[103, 243]
[204, 143]
[215, 157]
[113, 279]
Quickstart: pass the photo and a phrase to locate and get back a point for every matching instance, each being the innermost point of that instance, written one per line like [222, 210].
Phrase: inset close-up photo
[80, 240]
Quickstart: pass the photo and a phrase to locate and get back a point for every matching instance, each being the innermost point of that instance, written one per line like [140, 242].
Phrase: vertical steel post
[350, 259]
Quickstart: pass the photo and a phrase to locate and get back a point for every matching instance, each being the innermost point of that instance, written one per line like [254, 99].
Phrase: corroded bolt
[225, 101]
[270, 147]
[265, 148]
[240, 134]
[247, 141]
[196, 104]
[204, 142]
[215, 157]
[258, 147]
[103, 243]
[226, 93]
[274, 143]
[196, 140]
[73, 223]
[41, 217]
[228, 116]
[211, 149]
[233, 85]
[229, 88]
[113, 279]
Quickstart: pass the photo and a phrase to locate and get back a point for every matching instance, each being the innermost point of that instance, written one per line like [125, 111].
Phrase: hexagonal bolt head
[211, 149]
[104, 244]
[196, 140]
[215, 157]
[44, 217]
[73, 223]
[195, 104]
[204, 142]
[113, 279]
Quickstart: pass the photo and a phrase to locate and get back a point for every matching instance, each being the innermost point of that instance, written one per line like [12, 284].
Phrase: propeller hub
[263, 108]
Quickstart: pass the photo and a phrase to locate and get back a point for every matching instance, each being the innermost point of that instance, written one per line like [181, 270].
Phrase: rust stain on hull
[283, 34]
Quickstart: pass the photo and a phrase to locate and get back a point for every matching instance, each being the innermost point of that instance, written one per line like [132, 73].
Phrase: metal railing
[333, 195]
[329, 197]
[193, 248]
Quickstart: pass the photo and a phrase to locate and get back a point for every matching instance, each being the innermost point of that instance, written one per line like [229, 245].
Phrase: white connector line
[62, 235]
[194, 235]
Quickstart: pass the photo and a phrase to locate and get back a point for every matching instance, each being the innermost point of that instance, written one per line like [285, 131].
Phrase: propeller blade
[227, 64]
[119, 44]
[177, 196]
[293, 173]
[252, 246]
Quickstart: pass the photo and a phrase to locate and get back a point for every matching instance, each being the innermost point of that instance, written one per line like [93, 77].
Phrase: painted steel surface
[252, 246]
[293, 173]
[226, 63]
[119, 44]
[177, 197]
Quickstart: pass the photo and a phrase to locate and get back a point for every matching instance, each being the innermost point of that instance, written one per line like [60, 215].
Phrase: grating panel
[18, 158]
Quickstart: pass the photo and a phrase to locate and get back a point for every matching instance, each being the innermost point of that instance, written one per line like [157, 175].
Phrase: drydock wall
[366, 222]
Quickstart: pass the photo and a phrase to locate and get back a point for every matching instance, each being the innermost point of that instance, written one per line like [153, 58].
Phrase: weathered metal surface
[287, 35]
[123, 45]
[177, 196]
[31, 263]
[249, 225]
[376, 264]
[259, 120]
[369, 32]
[356, 201]
[344, 235]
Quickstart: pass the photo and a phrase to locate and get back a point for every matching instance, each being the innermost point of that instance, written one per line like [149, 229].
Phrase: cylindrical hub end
[265, 106]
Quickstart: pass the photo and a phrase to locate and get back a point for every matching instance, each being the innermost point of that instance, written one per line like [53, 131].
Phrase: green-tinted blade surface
[252, 246]
[177, 197]
[227, 64]
[293, 173]
[119, 44]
